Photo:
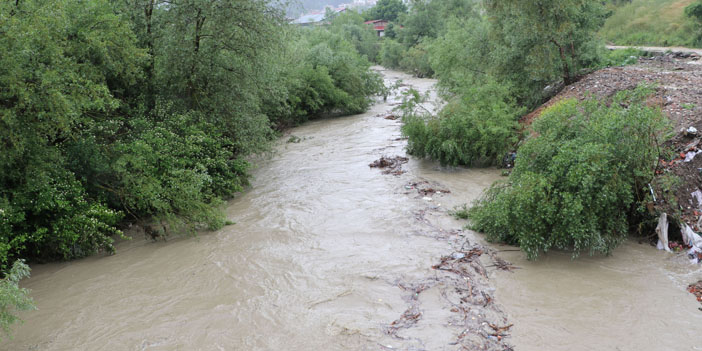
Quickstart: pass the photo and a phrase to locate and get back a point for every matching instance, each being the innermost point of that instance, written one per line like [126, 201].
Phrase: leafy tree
[148, 109]
[350, 25]
[416, 59]
[390, 31]
[388, 10]
[391, 53]
[539, 42]
[461, 66]
[12, 297]
[66, 68]
[427, 18]
[694, 11]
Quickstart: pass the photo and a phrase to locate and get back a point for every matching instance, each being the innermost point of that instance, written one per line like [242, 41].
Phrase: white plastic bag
[690, 238]
[662, 231]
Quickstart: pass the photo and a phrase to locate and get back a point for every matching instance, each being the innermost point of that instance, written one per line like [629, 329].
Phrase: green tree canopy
[388, 10]
[539, 42]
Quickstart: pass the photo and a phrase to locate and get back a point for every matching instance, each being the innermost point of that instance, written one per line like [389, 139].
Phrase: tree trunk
[199, 22]
[150, 91]
[567, 77]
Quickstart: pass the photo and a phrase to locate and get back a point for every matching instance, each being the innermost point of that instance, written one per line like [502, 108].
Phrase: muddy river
[330, 254]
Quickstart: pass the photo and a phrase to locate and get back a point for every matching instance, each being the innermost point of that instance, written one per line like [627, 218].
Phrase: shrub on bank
[575, 182]
[476, 128]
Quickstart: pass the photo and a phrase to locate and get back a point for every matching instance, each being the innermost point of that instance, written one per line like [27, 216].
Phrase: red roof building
[379, 26]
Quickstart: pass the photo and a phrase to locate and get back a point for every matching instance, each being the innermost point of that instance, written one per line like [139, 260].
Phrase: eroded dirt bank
[327, 254]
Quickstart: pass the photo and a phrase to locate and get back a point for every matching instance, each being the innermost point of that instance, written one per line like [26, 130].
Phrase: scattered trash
[697, 195]
[691, 131]
[500, 331]
[508, 160]
[696, 289]
[426, 198]
[690, 238]
[695, 255]
[458, 255]
[431, 191]
[693, 144]
[690, 155]
[425, 190]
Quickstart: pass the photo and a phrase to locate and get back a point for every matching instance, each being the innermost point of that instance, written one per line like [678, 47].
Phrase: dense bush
[416, 60]
[350, 26]
[694, 11]
[477, 127]
[461, 66]
[576, 180]
[391, 53]
[64, 70]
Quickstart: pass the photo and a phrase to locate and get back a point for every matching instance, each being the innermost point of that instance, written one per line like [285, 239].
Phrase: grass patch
[652, 22]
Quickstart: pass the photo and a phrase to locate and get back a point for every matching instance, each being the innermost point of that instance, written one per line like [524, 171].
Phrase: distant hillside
[651, 22]
[301, 6]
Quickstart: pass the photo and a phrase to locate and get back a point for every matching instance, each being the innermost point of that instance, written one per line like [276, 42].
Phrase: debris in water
[391, 165]
[696, 289]
[458, 255]
[391, 117]
[425, 190]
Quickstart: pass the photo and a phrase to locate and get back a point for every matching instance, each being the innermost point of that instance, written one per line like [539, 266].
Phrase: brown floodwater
[322, 244]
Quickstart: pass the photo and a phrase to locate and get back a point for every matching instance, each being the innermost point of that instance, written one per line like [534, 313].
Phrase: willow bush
[575, 182]
[477, 127]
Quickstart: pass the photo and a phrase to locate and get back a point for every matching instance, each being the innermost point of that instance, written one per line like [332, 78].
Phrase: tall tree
[388, 10]
[541, 41]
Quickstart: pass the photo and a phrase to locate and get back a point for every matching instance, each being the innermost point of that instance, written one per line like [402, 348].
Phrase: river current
[317, 257]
